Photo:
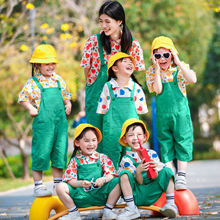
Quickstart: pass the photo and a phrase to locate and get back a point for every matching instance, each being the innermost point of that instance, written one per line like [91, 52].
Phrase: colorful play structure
[42, 206]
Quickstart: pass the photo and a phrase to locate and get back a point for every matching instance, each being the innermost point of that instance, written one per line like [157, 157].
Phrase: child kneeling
[136, 187]
[89, 179]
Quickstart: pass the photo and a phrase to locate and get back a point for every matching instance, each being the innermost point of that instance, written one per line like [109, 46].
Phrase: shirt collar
[129, 85]
[134, 155]
[40, 77]
[94, 155]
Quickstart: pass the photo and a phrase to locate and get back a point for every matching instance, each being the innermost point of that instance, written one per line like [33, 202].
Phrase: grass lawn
[7, 184]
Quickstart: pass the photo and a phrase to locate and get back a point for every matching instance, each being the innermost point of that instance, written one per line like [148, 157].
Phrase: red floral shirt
[106, 165]
[91, 58]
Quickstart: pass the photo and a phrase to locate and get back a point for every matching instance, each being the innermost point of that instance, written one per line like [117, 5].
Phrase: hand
[156, 64]
[175, 57]
[68, 107]
[154, 165]
[86, 184]
[33, 111]
[143, 167]
[100, 181]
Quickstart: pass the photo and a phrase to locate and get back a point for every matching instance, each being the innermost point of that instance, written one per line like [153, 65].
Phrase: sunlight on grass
[8, 184]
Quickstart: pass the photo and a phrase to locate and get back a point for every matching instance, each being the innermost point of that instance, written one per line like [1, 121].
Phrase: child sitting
[136, 187]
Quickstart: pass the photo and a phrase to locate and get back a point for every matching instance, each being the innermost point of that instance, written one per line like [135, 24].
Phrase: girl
[168, 77]
[136, 187]
[114, 36]
[122, 98]
[89, 179]
[47, 99]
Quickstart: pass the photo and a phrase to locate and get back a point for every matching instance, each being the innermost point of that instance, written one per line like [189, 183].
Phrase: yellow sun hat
[44, 53]
[119, 56]
[80, 128]
[164, 42]
[128, 123]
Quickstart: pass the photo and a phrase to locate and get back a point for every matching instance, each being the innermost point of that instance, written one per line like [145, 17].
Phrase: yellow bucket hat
[162, 41]
[44, 53]
[128, 123]
[81, 127]
[119, 56]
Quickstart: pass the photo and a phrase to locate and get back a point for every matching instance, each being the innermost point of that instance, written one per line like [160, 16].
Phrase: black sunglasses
[159, 55]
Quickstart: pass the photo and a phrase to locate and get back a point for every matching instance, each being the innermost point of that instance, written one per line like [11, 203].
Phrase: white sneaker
[129, 213]
[108, 214]
[41, 190]
[169, 210]
[180, 183]
[71, 216]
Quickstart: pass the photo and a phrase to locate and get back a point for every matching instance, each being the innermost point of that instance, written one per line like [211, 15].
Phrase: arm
[79, 183]
[68, 106]
[30, 108]
[157, 84]
[141, 168]
[188, 74]
[86, 72]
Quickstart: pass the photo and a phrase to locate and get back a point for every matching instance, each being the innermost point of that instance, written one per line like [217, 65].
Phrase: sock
[181, 173]
[38, 183]
[108, 206]
[73, 209]
[130, 201]
[170, 198]
[56, 180]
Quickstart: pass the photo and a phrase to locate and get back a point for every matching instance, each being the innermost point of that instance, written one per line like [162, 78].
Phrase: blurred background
[194, 26]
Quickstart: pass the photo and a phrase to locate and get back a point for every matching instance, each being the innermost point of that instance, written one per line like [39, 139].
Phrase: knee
[61, 188]
[124, 177]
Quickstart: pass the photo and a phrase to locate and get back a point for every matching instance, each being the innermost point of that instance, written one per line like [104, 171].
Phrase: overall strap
[58, 83]
[37, 82]
[175, 75]
[100, 49]
[110, 91]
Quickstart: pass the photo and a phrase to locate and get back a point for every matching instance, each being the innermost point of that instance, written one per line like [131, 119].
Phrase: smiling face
[163, 62]
[123, 67]
[47, 69]
[109, 25]
[88, 143]
[131, 137]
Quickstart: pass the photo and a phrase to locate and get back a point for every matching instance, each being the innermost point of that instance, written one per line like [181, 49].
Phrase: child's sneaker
[108, 214]
[71, 216]
[41, 190]
[169, 210]
[129, 213]
[180, 183]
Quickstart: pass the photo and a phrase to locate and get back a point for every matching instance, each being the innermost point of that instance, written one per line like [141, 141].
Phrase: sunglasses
[93, 186]
[159, 55]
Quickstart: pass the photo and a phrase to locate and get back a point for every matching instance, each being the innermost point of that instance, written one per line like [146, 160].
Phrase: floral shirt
[31, 93]
[106, 164]
[127, 164]
[139, 97]
[167, 76]
[91, 57]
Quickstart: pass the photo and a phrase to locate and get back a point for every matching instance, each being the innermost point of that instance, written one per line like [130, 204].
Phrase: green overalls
[121, 109]
[150, 190]
[50, 139]
[174, 124]
[93, 92]
[96, 196]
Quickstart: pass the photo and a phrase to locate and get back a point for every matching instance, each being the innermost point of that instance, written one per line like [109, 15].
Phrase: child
[114, 36]
[121, 98]
[89, 179]
[168, 78]
[47, 99]
[136, 187]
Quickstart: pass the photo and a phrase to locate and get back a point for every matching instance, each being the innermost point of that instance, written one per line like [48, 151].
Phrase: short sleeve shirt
[139, 97]
[106, 165]
[127, 164]
[167, 76]
[31, 93]
[91, 57]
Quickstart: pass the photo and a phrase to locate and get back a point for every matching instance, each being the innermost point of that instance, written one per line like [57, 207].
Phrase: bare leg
[37, 175]
[57, 172]
[114, 195]
[63, 193]
[171, 166]
[125, 185]
[170, 188]
[182, 165]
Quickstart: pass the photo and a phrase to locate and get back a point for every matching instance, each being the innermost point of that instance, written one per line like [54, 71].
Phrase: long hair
[112, 74]
[115, 10]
